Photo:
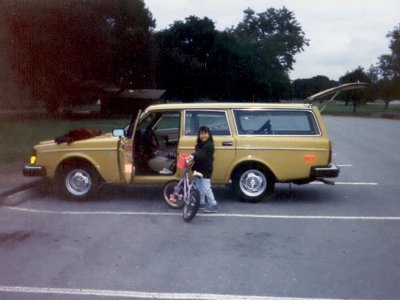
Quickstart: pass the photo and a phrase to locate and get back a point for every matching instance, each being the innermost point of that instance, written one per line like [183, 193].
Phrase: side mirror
[118, 132]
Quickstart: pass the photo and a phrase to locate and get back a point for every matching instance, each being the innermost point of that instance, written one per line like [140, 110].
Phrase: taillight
[309, 158]
[330, 152]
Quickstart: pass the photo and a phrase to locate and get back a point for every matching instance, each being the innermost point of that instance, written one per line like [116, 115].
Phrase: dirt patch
[13, 237]
[387, 115]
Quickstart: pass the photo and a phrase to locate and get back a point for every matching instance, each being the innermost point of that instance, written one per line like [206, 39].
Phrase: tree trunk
[387, 104]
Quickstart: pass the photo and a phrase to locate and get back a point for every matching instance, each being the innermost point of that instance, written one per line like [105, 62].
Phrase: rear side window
[275, 122]
[215, 120]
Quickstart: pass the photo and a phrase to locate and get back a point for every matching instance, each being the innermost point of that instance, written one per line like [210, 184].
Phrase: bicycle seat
[197, 174]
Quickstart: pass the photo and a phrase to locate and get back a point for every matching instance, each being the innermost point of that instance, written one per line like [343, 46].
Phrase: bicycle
[183, 193]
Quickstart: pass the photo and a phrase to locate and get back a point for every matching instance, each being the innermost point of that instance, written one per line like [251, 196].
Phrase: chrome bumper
[329, 171]
[33, 170]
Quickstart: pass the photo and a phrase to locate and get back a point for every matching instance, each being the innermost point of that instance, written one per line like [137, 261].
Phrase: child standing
[203, 163]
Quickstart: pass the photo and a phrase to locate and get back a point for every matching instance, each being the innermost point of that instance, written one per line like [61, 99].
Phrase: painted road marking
[345, 165]
[141, 295]
[228, 215]
[348, 183]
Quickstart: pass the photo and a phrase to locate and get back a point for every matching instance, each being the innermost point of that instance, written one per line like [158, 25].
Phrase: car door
[126, 152]
[224, 142]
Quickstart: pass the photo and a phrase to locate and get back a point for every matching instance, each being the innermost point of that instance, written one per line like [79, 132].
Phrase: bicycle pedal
[172, 198]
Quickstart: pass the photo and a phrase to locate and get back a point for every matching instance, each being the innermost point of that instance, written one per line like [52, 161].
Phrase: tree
[130, 27]
[59, 44]
[302, 88]
[250, 62]
[272, 38]
[390, 63]
[275, 33]
[356, 97]
[389, 69]
[183, 58]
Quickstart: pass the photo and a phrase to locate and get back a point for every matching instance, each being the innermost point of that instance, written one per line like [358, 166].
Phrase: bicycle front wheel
[173, 194]
[191, 207]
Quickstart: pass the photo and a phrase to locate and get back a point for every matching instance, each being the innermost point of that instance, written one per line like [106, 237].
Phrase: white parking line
[141, 295]
[227, 215]
[348, 183]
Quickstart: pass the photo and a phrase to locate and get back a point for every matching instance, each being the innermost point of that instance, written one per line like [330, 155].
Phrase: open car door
[335, 91]
[126, 152]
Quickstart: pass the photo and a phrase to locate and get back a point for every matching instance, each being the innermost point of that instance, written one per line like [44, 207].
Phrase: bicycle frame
[187, 186]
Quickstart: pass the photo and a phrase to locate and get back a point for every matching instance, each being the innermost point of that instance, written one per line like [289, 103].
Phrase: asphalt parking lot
[306, 242]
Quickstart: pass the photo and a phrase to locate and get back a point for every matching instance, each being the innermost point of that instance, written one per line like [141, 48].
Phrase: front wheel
[173, 194]
[192, 206]
[251, 184]
[78, 181]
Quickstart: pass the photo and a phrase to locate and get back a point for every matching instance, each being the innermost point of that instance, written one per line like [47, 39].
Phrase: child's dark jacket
[204, 158]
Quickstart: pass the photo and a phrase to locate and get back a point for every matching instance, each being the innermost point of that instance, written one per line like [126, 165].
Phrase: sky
[343, 34]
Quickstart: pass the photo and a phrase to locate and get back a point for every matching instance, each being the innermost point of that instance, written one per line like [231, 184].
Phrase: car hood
[104, 140]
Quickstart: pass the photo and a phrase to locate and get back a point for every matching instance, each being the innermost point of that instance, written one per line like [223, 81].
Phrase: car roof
[228, 105]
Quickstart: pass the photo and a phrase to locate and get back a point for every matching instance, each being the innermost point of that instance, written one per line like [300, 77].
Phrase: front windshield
[128, 129]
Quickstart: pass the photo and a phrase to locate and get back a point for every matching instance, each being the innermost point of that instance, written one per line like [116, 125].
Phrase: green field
[19, 133]
[369, 110]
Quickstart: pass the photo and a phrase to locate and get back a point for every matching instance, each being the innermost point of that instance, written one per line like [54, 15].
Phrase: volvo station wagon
[256, 146]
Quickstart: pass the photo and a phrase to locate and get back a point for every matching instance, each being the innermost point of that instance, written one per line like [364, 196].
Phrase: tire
[169, 189]
[252, 183]
[78, 181]
[190, 210]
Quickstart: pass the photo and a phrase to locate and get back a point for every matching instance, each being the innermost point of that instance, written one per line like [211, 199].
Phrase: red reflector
[309, 158]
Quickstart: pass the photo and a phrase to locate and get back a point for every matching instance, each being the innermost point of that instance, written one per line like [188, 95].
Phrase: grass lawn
[18, 135]
[361, 111]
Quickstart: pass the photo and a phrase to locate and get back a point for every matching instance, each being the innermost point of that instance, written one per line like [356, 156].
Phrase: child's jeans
[204, 187]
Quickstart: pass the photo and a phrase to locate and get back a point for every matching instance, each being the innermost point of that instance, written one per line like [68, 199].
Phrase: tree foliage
[58, 43]
[389, 64]
[183, 54]
[302, 88]
[356, 97]
[248, 62]
[389, 69]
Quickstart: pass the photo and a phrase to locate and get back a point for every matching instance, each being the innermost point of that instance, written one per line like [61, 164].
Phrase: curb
[23, 193]
[20, 197]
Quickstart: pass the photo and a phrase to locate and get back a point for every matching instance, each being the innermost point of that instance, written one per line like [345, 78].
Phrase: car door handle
[227, 143]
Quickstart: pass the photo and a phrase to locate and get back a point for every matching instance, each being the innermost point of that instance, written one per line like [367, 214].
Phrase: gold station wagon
[256, 145]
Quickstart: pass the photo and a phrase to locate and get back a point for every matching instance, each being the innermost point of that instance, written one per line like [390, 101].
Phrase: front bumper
[329, 171]
[33, 170]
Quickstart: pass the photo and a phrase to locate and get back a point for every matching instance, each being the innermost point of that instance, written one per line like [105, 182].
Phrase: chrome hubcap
[78, 182]
[253, 183]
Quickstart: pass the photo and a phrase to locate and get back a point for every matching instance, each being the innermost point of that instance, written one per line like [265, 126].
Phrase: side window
[275, 122]
[166, 128]
[167, 121]
[215, 120]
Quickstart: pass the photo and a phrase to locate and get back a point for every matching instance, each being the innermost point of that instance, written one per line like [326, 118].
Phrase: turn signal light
[33, 159]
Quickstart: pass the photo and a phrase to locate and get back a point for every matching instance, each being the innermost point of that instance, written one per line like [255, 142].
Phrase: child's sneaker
[211, 209]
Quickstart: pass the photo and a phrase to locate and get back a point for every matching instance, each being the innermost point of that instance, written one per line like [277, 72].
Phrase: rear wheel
[173, 194]
[78, 180]
[190, 209]
[252, 183]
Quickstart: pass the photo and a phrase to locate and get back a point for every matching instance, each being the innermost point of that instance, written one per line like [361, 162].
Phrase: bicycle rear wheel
[190, 209]
[173, 195]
